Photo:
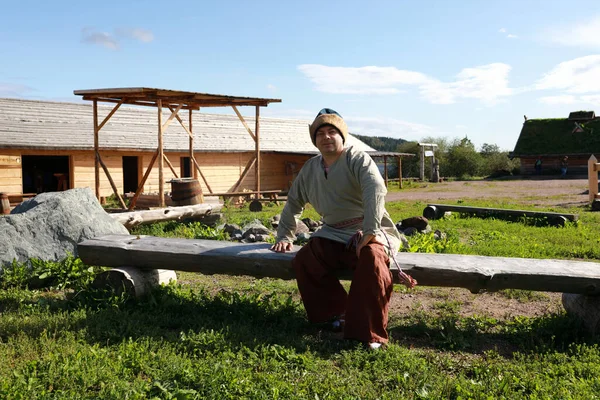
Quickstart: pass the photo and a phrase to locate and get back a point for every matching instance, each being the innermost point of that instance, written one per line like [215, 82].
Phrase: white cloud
[581, 75]
[583, 33]
[143, 35]
[511, 36]
[271, 88]
[14, 89]
[502, 30]
[487, 83]
[506, 34]
[561, 99]
[100, 38]
[92, 36]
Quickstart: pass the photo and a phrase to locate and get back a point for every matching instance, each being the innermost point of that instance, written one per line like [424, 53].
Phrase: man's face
[329, 140]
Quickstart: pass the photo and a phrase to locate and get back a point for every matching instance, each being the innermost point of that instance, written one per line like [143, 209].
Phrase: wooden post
[422, 164]
[400, 171]
[96, 151]
[257, 148]
[161, 160]
[194, 171]
[112, 183]
[593, 177]
[141, 186]
[385, 174]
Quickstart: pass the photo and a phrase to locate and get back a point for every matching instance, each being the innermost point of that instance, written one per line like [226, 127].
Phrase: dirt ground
[534, 191]
[543, 192]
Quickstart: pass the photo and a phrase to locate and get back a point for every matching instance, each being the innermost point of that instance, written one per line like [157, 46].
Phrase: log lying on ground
[435, 211]
[135, 218]
[475, 273]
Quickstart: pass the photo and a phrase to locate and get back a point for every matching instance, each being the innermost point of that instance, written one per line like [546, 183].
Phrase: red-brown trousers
[365, 306]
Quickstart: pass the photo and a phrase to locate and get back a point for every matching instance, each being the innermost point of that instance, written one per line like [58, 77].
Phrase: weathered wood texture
[475, 273]
[435, 211]
[133, 281]
[135, 218]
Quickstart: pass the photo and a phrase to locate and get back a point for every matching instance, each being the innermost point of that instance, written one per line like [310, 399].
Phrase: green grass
[225, 337]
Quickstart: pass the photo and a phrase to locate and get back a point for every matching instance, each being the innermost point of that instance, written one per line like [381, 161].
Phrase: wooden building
[550, 140]
[48, 146]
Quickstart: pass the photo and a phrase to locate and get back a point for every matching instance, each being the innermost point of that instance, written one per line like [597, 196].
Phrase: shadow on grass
[553, 332]
[230, 321]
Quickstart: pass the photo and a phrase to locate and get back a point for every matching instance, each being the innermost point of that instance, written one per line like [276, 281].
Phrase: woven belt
[347, 223]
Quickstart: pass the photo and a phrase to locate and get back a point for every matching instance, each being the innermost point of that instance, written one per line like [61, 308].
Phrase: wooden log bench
[140, 261]
[435, 211]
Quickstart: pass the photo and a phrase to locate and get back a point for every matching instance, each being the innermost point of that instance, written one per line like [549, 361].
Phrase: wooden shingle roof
[559, 136]
[31, 124]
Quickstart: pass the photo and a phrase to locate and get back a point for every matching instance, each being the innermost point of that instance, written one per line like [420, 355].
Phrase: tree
[463, 160]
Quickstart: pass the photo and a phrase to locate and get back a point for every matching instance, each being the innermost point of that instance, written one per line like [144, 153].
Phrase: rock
[261, 238]
[427, 229]
[410, 231]
[596, 205]
[439, 235]
[232, 229]
[237, 236]
[255, 228]
[420, 223]
[51, 224]
[303, 237]
[301, 228]
[404, 241]
[250, 238]
[311, 224]
[275, 221]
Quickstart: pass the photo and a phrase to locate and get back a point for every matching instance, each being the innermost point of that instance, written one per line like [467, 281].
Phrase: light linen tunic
[352, 189]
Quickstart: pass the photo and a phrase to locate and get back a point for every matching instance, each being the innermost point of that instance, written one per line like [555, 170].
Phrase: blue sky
[404, 69]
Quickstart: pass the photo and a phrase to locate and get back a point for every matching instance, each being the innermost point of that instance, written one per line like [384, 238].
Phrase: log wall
[222, 170]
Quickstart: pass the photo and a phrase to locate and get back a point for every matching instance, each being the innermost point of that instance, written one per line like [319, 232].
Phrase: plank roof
[149, 97]
[558, 137]
[46, 125]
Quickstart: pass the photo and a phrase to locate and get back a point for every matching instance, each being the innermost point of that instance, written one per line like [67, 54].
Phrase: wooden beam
[112, 183]
[257, 148]
[110, 114]
[135, 218]
[194, 171]
[171, 117]
[244, 173]
[203, 178]
[170, 165]
[434, 211]
[161, 154]
[592, 177]
[385, 171]
[189, 131]
[241, 117]
[96, 151]
[476, 273]
[400, 172]
[143, 182]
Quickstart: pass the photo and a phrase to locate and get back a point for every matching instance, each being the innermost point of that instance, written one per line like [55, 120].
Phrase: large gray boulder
[51, 224]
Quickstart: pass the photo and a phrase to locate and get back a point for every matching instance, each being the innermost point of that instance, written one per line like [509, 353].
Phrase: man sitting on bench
[345, 187]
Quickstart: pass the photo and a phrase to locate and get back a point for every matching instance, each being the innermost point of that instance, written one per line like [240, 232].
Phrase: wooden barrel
[4, 204]
[186, 191]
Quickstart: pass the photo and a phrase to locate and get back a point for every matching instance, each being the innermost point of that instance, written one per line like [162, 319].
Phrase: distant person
[564, 164]
[538, 166]
[345, 187]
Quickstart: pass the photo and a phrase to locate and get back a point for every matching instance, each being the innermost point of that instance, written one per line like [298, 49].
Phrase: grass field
[223, 337]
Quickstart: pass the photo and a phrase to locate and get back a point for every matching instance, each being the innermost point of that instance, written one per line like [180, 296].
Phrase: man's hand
[281, 247]
[366, 239]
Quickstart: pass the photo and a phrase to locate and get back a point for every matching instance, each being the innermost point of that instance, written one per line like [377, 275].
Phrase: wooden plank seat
[435, 211]
[476, 273]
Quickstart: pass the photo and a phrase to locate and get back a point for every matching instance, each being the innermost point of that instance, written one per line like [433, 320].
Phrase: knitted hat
[328, 117]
